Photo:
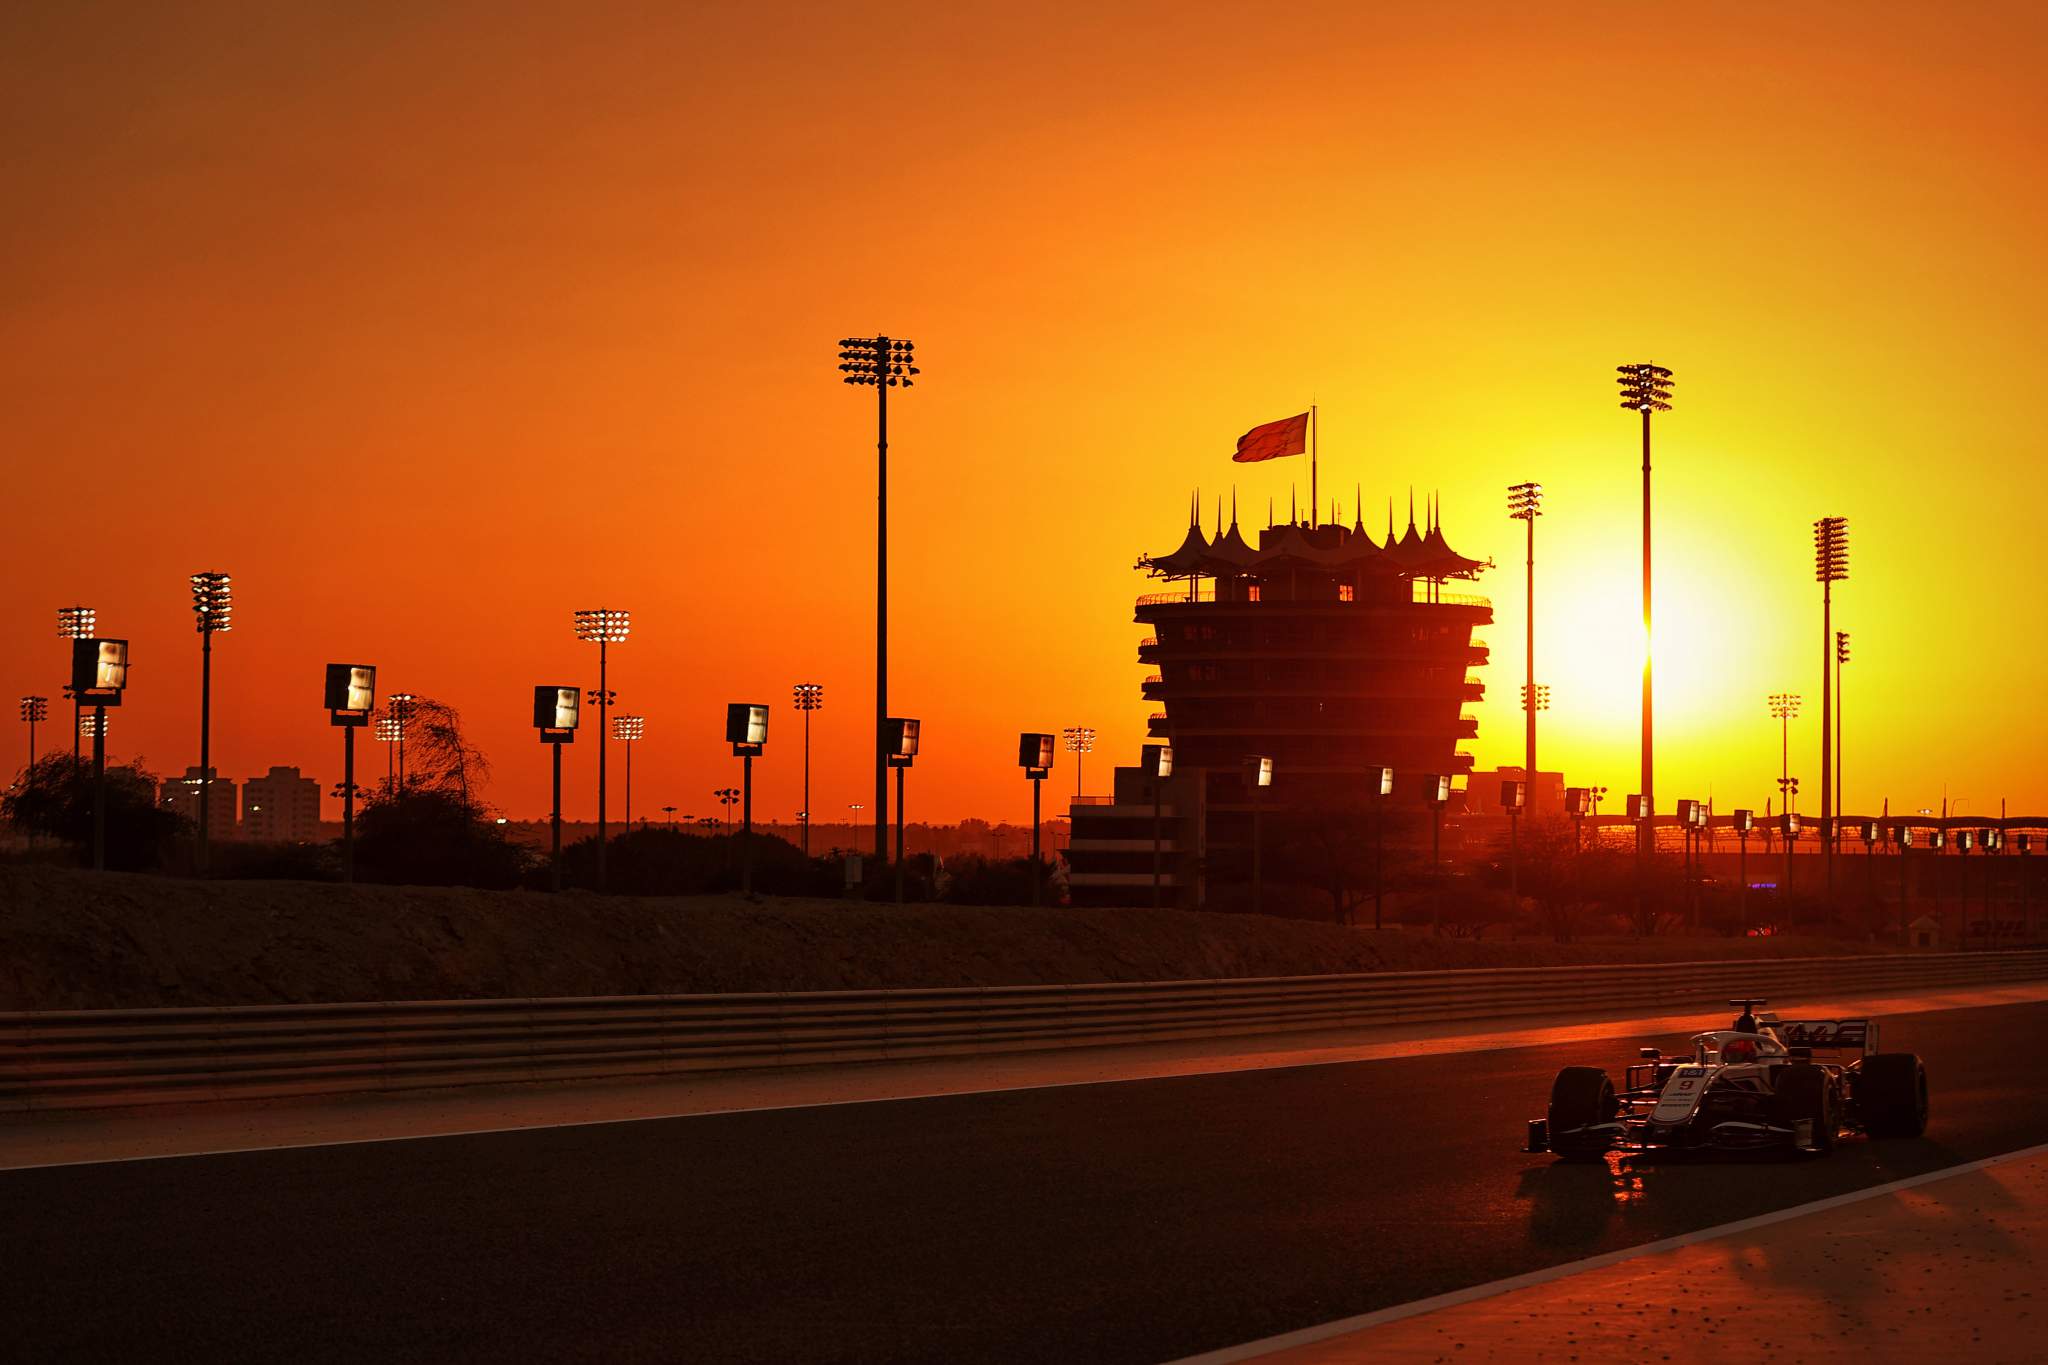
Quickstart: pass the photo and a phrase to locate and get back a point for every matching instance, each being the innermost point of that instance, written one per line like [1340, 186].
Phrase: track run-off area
[1138, 1220]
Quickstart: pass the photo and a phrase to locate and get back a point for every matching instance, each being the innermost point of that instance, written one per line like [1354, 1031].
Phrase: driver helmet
[1739, 1050]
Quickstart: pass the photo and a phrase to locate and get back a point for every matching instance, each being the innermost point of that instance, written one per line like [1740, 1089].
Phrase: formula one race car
[1757, 1085]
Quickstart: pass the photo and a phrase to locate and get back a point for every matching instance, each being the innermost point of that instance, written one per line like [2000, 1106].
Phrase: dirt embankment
[72, 940]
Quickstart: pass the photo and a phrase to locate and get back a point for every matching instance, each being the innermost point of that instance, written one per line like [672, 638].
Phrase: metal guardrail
[79, 1059]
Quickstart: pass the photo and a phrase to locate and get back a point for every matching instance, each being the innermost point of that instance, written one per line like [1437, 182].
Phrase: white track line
[1307, 1336]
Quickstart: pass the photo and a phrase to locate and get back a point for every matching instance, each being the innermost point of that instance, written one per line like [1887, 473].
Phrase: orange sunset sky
[432, 323]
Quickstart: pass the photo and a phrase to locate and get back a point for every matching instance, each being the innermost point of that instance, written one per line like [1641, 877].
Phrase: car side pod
[1539, 1136]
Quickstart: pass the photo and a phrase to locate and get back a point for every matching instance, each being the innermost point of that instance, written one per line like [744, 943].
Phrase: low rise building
[181, 794]
[281, 807]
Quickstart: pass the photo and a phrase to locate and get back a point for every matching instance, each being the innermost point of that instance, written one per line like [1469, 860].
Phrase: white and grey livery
[1762, 1083]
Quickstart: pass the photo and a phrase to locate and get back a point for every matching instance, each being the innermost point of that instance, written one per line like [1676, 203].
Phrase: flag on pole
[1288, 436]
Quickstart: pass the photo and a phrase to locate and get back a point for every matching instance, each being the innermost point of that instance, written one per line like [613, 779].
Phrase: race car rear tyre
[1803, 1092]
[1580, 1097]
[1891, 1095]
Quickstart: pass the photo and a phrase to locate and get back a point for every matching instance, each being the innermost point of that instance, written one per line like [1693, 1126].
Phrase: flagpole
[1311, 465]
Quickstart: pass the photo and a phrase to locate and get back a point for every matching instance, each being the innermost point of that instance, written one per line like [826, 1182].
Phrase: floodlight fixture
[1525, 501]
[1831, 550]
[1035, 753]
[1644, 388]
[94, 726]
[904, 734]
[1542, 698]
[877, 362]
[629, 728]
[35, 710]
[1078, 740]
[99, 670]
[76, 623]
[746, 726]
[603, 625]
[350, 693]
[213, 602]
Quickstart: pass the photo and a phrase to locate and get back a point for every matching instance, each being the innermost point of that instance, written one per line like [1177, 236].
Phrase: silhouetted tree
[971, 880]
[435, 829]
[53, 798]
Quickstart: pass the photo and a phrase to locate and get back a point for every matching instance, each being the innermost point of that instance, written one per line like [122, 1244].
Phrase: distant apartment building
[181, 794]
[281, 807]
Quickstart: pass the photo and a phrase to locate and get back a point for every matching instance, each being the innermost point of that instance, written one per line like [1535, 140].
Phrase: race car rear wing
[1826, 1035]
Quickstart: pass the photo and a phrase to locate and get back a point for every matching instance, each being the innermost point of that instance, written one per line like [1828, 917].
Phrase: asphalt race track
[1127, 1222]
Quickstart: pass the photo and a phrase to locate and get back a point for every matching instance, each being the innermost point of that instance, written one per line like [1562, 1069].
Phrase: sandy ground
[73, 940]
[1946, 1267]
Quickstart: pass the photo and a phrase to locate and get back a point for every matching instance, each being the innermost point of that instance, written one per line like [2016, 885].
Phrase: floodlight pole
[1742, 874]
[1037, 858]
[604, 704]
[1515, 851]
[555, 817]
[882, 620]
[1645, 388]
[348, 803]
[1525, 502]
[205, 741]
[747, 825]
[1831, 566]
[900, 769]
[99, 789]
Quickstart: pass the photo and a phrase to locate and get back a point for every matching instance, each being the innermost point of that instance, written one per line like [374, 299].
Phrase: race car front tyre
[1803, 1092]
[1581, 1098]
[1891, 1095]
